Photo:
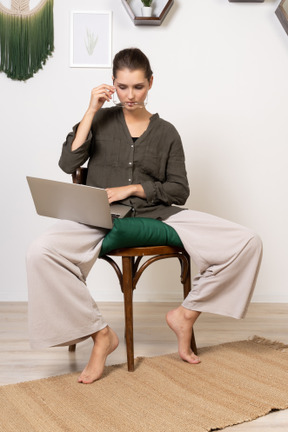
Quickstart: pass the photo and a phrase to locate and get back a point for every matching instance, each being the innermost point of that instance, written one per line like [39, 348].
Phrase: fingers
[112, 195]
[108, 191]
[118, 193]
[100, 95]
[103, 92]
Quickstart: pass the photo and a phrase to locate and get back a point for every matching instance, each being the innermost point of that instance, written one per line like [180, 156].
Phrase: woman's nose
[130, 94]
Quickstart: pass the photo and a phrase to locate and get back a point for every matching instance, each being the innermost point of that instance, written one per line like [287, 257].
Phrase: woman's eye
[123, 87]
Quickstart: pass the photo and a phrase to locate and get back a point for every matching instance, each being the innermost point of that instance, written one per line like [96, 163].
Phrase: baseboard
[264, 298]
[103, 297]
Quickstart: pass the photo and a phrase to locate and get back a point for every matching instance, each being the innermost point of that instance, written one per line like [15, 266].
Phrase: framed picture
[282, 14]
[90, 43]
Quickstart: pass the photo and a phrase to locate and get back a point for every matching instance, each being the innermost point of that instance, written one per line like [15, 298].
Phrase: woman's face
[132, 87]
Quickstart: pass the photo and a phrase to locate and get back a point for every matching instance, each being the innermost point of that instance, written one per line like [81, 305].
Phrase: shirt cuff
[150, 191]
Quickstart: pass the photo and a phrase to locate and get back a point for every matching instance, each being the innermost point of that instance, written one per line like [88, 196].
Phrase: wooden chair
[131, 272]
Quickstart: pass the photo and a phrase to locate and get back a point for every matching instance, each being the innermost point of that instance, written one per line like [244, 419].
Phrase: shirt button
[129, 180]
[130, 163]
[132, 146]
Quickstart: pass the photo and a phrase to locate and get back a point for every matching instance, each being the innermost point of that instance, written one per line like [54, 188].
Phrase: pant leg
[60, 306]
[228, 257]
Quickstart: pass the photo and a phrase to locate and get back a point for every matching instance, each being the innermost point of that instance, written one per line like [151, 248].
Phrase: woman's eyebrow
[140, 83]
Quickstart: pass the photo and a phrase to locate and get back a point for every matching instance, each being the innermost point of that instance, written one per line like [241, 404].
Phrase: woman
[138, 158]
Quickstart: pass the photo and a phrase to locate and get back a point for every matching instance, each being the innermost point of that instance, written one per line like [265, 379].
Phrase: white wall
[220, 76]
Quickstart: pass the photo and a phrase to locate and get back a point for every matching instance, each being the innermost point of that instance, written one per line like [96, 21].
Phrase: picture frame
[282, 14]
[91, 39]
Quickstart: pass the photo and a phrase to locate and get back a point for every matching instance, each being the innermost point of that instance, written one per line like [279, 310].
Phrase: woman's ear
[150, 82]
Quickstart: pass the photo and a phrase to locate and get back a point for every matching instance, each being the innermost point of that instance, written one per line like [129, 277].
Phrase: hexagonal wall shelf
[282, 14]
[160, 10]
[246, 1]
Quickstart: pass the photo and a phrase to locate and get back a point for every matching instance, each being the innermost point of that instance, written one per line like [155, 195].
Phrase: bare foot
[181, 321]
[105, 341]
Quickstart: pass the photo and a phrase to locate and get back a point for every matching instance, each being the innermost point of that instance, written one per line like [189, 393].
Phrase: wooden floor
[152, 337]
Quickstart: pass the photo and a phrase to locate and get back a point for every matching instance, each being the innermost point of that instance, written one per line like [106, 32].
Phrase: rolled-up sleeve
[70, 160]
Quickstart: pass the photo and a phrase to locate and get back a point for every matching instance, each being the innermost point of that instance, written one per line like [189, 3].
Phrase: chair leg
[127, 287]
[72, 348]
[186, 290]
[193, 343]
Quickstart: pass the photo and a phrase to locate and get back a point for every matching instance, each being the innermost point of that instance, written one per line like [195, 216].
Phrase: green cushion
[133, 232]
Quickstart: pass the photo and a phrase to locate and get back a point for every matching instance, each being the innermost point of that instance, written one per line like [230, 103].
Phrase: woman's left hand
[123, 192]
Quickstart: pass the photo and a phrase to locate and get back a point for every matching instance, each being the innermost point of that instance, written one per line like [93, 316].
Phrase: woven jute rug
[236, 382]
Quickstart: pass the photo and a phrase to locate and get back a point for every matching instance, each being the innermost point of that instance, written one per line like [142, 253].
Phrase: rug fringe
[273, 344]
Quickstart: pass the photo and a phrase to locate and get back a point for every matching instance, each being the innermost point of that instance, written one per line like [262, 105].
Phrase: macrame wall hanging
[26, 38]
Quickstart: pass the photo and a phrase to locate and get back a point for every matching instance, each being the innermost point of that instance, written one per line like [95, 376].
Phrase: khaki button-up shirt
[155, 160]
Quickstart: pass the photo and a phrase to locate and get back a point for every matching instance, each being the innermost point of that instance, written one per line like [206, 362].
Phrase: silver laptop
[79, 203]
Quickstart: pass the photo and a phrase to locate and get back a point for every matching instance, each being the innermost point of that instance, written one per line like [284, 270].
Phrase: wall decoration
[26, 38]
[246, 1]
[147, 8]
[160, 10]
[282, 14]
[90, 44]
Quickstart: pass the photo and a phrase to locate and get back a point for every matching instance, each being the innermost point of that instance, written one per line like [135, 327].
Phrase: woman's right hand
[99, 95]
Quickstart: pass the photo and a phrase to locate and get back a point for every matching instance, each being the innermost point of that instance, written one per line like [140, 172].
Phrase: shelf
[161, 9]
[282, 14]
[246, 1]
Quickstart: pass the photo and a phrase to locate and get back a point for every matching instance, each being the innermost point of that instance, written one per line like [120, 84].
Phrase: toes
[84, 381]
[190, 358]
[88, 379]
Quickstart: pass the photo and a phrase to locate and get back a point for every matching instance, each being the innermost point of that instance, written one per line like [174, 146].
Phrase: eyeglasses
[128, 104]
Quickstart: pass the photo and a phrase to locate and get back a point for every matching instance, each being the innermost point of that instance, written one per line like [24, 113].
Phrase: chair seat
[139, 232]
[146, 251]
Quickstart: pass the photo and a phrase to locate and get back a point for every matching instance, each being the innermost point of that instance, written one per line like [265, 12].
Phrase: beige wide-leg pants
[61, 309]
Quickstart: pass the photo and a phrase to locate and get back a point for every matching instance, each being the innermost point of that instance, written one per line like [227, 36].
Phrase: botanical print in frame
[90, 39]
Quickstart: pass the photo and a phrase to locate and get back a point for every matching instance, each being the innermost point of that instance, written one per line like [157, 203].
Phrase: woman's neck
[137, 115]
[137, 121]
